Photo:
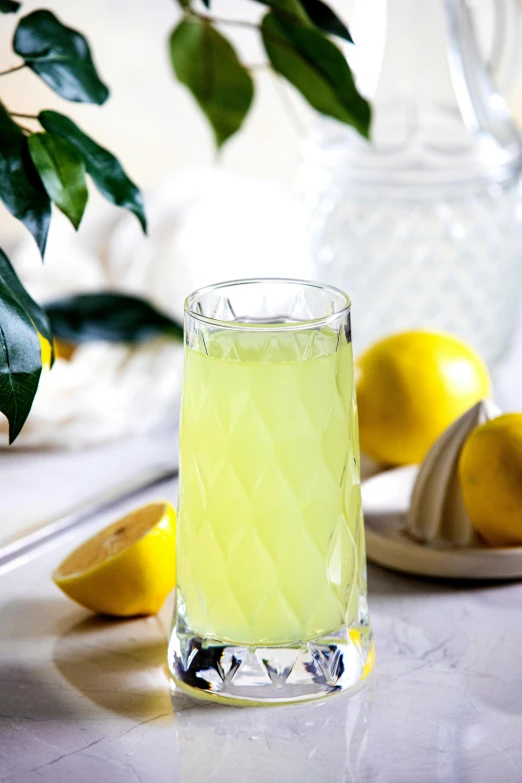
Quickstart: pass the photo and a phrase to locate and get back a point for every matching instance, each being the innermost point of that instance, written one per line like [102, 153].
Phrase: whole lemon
[410, 387]
[490, 472]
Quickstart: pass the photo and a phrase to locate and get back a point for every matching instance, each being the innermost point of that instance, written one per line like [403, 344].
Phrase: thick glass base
[209, 668]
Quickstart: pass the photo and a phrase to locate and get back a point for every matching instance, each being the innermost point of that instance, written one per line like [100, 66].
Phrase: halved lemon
[45, 348]
[127, 569]
[62, 350]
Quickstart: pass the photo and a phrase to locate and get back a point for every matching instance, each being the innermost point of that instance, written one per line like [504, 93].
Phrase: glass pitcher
[423, 223]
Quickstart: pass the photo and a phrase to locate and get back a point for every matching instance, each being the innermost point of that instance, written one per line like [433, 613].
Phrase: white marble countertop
[84, 699]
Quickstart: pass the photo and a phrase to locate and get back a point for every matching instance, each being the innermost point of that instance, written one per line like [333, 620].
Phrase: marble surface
[87, 699]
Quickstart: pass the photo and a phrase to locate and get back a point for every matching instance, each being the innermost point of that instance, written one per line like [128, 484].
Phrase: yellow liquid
[269, 527]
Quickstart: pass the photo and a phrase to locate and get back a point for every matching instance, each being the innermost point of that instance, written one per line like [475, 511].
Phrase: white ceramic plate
[386, 498]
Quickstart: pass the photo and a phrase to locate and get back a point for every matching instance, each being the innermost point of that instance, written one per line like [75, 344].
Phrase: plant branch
[282, 13]
[13, 69]
[276, 39]
[230, 22]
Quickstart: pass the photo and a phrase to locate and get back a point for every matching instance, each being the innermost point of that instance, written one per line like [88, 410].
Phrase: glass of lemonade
[271, 590]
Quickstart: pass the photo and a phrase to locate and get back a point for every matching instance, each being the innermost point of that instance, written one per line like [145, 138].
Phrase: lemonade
[270, 539]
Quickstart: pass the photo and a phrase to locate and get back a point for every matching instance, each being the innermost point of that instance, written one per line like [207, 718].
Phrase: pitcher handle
[504, 57]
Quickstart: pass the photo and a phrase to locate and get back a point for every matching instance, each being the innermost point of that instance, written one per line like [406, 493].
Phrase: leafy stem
[226, 22]
[206, 19]
[44, 166]
[296, 38]
[275, 38]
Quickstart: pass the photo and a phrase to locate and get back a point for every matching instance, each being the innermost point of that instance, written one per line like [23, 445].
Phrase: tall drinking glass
[271, 595]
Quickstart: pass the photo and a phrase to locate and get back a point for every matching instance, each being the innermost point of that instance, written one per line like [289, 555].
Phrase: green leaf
[324, 18]
[9, 7]
[20, 361]
[20, 187]
[316, 67]
[206, 63]
[104, 168]
[310, 11]
[10, 279]
[288, 9]
[62, 171]
[60, 56]
[109, 316]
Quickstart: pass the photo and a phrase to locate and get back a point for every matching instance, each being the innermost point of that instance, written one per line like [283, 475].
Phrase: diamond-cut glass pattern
[270, 559]
[316, 668]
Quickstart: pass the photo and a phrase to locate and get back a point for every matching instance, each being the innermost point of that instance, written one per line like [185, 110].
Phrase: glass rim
[191, 299]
